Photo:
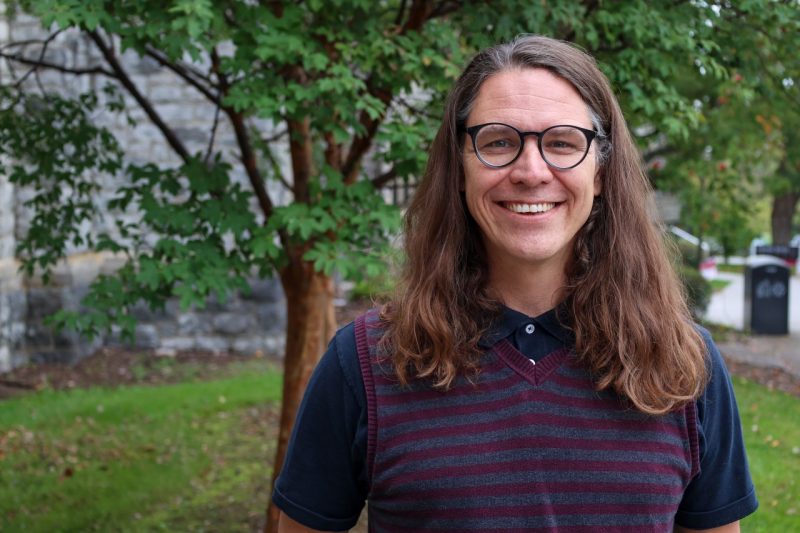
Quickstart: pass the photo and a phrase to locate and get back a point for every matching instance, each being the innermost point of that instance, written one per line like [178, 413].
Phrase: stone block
[164, 93]
[190, 135]
[272, 317]
[143, 66]
[142, 313]
[232, 323]
[275, 345]
[43, 302]
[180, 344]
[174, 113]
[212, 344]
[188, 323]
[248, 346]
[146, 336]
[264, 290]
[5, 357]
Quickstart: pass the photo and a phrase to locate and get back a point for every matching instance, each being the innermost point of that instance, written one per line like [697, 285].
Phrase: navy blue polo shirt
[323, 483]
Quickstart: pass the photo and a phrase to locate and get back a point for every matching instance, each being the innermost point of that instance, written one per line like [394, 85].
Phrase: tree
[744, 145]
[329, 82]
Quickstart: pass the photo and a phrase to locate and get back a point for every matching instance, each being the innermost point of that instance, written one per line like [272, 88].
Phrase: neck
[532, 289]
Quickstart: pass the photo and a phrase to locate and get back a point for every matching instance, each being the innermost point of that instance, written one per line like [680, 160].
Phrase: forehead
[528, 98]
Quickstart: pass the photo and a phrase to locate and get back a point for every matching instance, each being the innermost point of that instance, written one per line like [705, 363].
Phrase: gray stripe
[527, 456]
[445, 418]
[479, 501]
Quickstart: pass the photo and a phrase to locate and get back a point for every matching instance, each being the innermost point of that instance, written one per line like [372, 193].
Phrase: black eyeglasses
[562, 147]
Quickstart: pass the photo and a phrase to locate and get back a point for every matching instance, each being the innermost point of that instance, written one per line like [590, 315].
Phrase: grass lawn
[719, 284]
[196, 456]
[191, 456]
[735, 269]
[771, 424]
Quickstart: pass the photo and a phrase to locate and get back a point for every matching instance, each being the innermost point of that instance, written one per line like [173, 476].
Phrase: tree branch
[276, 168]
[245, 146]
[148, 108]
[381, 181]
[418, 13]
[213, 131]
[45, 44]
[186, 73]
[300, 148]
[59, 68]
[400, 11]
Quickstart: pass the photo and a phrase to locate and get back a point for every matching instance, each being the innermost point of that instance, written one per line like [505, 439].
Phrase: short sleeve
[323, 481]
[723, 491]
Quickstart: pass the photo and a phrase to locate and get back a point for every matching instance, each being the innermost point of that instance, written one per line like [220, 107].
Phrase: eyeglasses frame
[472, 131]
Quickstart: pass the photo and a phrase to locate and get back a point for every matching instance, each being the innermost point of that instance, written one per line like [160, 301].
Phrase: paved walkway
[783, 351]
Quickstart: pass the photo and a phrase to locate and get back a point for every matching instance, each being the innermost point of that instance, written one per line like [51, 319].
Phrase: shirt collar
[509, 320]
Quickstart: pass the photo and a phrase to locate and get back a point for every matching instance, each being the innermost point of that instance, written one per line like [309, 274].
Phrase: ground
[112, 367]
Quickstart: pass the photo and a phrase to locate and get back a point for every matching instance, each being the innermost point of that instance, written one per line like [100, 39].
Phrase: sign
[784, 252]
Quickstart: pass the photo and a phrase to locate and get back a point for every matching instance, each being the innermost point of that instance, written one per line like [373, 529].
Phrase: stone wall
[245, 324]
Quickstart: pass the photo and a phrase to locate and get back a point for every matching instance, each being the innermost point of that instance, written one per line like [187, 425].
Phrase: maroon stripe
[362, 348]
[611, 528]
[690, 414]
[552, 509]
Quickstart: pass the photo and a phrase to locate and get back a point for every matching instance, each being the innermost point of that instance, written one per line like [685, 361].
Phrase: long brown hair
[623, 301]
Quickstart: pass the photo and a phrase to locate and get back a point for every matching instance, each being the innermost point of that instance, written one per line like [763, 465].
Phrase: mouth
[529, 209]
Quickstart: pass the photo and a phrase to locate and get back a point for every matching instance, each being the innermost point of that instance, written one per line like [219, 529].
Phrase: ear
[598, 184]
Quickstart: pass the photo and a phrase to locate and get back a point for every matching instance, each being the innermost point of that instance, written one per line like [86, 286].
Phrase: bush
[697, 289]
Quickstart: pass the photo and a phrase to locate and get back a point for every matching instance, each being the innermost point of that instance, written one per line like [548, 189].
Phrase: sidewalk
[782, 351]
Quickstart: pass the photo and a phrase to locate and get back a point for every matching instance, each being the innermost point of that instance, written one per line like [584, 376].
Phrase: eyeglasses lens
[497, 144]
[564, 146]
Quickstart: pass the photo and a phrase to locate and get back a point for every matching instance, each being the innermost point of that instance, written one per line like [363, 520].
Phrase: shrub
[697, 289]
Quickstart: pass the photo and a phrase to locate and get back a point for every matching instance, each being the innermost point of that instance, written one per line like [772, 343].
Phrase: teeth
[530, 208]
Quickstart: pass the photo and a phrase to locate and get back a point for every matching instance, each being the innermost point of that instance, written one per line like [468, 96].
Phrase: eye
[497, 139]
[497, 143]
[561, 144]
[564, 140]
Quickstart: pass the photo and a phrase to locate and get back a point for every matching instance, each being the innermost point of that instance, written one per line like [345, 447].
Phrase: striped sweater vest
[520, 447]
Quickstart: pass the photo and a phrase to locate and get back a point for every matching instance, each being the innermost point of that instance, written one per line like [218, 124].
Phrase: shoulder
[719, 386]
[343, 348]
[723, 491]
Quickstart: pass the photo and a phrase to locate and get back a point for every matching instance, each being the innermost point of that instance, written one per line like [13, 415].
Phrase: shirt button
[529, 329]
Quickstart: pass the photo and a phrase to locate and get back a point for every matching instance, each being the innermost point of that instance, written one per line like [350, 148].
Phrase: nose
[530, 168]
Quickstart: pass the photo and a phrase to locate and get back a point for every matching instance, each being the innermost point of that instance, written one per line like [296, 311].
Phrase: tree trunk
[310, 324]
[783, 208]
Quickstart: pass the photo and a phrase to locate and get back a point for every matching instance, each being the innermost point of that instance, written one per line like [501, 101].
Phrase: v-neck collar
[535, 373]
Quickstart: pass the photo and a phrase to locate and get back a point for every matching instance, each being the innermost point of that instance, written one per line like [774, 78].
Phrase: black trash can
[766, 296]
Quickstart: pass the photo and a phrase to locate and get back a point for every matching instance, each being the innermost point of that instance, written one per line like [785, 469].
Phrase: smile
[529, 208]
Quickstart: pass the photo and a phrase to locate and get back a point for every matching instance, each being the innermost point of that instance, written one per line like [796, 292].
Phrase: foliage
[697, 289]
[342, 81]
[177, 457]
[743, 146]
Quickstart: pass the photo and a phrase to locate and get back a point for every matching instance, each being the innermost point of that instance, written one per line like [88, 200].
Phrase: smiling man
[538, 369]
